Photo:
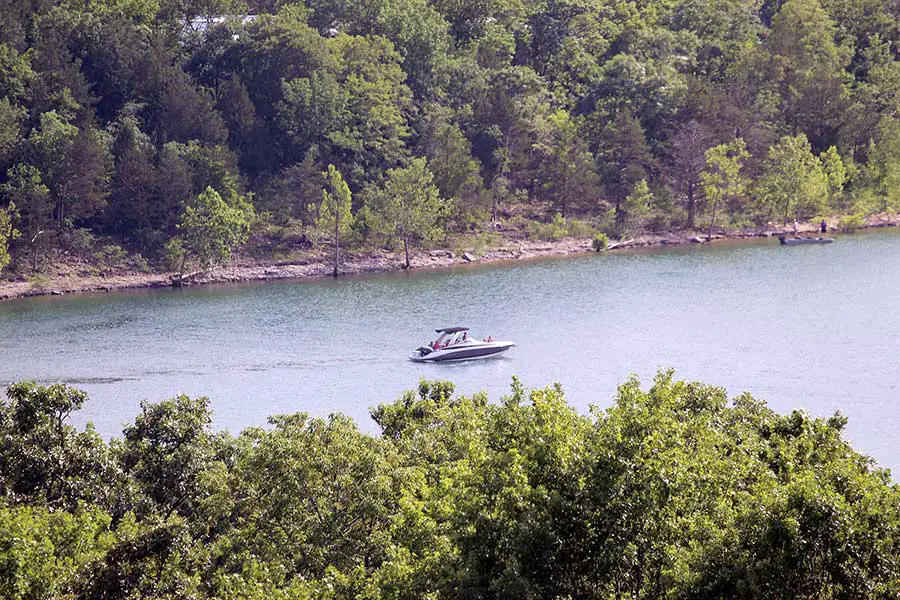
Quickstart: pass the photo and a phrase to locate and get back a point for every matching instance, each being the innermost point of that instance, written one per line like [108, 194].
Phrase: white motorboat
[455, 343]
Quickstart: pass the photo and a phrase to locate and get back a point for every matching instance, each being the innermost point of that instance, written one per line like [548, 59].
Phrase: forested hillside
[673, 492]
[440, 116]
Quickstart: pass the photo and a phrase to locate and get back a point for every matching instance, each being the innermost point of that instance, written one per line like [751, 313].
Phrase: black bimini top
[451, 329]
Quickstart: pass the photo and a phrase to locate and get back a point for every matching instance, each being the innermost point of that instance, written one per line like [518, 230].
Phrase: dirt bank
[68, 280]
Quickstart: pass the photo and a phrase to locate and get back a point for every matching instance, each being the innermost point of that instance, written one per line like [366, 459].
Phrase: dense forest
[671, 492]
[179, 128]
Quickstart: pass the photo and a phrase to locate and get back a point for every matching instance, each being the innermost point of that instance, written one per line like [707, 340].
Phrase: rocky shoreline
[245, 270]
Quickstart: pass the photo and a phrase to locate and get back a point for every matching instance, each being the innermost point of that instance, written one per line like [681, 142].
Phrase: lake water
[813, 327]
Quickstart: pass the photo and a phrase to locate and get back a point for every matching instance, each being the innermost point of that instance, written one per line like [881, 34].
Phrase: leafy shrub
[606, 223]
[475, 243]
[81, 240]
[517, 223]
[600, 242]
[39, 282]
[659, 222]
[665, 209]
[139, 263]
[151, 242]
[175, 255]
[556, 229]
[112, 255]
[868, 202]
[561, 227]
[578, 228]
[850, 223]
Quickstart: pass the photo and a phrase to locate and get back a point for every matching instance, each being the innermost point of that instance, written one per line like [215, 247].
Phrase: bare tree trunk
[337, 248]
[34, 251]
[180, 280]
[406, 250]
[691, 206]
[712, 220]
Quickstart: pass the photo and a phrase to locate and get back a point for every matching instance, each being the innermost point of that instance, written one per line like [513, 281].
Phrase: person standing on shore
[796, 226]
[823, 226]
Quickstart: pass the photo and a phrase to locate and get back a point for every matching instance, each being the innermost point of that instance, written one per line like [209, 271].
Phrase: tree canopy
[672, 491]
[115, 116]
[333, 214]
[210, 228]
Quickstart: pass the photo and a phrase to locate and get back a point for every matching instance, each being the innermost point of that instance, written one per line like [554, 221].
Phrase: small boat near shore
[798, 241]
[455, 343]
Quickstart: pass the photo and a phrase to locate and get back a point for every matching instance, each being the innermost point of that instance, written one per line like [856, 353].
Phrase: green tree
[16, 72]
[722, 179]
[808, 67]
[565, 167]
[177, 109]
[636, 207]
[689, 146]
[46, 461]
[132, 213]
[878, 92]
[836, 175]
[880, 176]
[456, 172]
[408, 207]
[421, 36]
[8, 233]
[237, 110]
[793, 182]
[293, 191]
[679, 450]
[313, 109]
[378, 107]
[11, 118]
[47, 551]
[25, 187]
[674, 490]
[715, 31]
[333, 214]
[525, 486]
[83, 193]
[310, 500]
[52, 145]
[623, 159]
[166, 451]
[209, 229]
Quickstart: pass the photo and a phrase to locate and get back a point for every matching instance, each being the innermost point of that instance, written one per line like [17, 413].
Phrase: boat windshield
[451, 339]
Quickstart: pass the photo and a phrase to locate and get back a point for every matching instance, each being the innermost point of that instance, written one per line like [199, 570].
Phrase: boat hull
[786, 241]
[461, 352]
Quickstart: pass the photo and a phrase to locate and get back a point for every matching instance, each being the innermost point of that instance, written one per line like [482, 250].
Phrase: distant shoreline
[357, 263]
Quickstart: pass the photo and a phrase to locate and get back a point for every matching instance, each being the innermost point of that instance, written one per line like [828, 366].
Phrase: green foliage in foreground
[672, 492]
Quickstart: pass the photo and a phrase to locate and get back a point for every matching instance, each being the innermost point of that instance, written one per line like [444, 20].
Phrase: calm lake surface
[813, 327]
